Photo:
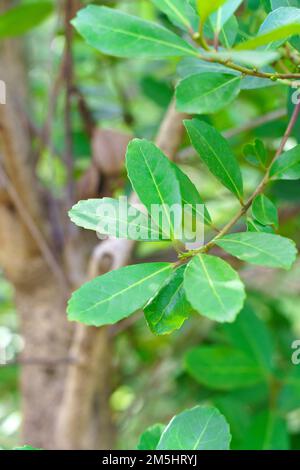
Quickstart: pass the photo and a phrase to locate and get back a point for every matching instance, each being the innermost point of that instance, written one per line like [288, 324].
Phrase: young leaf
[118, 34]
[170, 308]
[154, 180]
[113, 218]
[268, 431]
[190, 195]
[287, 166]
[264, 249]
[261, 152]
[150, 438]
[229, 32]
[213, 288]
[278, 26]
[264, 211]
[117, 294]
[200, 428]
[223, 14]
[256, 153]
[206, 93]
[179, 12]
[205, 8]
[216, 154]
[22, 18]
[223, 368]
[254, 226]
[280, 17]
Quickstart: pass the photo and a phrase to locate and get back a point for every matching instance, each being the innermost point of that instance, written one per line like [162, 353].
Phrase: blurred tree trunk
[40, 280]
[66, 370]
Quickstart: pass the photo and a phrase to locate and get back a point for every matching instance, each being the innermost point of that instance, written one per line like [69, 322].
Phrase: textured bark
[66, 369]
[40, 301]
[79, 394]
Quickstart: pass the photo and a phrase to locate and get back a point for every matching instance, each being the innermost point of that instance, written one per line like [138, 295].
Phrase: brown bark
[76, 410]
[40, 300]
[66, 369]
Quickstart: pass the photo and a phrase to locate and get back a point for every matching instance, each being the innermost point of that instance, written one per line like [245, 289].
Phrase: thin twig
[68, 74]
[257, 191]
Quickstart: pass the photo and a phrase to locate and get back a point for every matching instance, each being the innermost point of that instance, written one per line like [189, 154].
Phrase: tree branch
[257, 191]
[88, 342]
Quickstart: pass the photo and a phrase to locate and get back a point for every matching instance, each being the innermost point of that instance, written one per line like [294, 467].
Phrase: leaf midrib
[286, 168]
[147, 38]
[196, 98]
[169, 303]
[239, 242]
[158, 191]
[211, 283]
[237, 191]
[178, 13]
[132, 286]
[132, 224]
[204, 430]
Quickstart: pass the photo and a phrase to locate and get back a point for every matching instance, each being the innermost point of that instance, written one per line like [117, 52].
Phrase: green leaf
[259, 346]
[223, 14]
[256, 153]
[154, 180]
[26, 447]
[264, 211]
[118, 34]
[237, 414]
[254, 226]
[284, 3]
[268, 431]
[278, 27]
[261, 151]
[229, 32]
[117, 294]
[216, 154]
[179, 12]
[289, 396]
[223, 368]
[22, 18]
[114, 218]
[150, 438]
[206, 93]
[205, 8]
[287, 166]
[264, 249]
[191, 66]
[213, 288]
[278, 18]
[200, 428]
[249, 58]
[190, 196]
[169, 309]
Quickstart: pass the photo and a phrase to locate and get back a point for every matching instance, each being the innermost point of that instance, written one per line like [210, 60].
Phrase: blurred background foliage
[152, 380]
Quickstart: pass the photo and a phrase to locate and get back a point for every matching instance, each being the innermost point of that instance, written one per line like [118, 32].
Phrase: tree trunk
[66, 369]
